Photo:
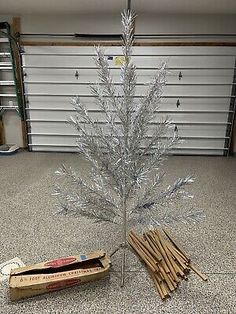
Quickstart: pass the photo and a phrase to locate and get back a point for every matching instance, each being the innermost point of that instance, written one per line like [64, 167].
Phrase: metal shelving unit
[11, 97]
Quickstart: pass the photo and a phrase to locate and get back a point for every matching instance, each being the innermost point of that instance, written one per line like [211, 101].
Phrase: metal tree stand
[124, 245]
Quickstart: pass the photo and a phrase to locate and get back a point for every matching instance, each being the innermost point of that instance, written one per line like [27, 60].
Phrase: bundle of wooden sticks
[166, 261]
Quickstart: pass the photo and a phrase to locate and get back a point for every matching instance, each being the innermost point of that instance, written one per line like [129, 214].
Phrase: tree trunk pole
[124, 240]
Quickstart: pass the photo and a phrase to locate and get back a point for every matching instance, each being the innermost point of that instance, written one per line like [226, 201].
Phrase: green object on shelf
[5, 31]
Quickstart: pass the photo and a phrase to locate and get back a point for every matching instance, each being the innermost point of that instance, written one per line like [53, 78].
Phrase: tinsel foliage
[126, 152]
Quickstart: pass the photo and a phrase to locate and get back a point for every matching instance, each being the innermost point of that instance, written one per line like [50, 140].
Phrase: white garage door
[198, 95]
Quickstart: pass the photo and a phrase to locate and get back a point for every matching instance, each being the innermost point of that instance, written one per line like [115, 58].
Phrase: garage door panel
[72, 149]
[71, 140]
[140, 90]
[54, 140]
[196, 152]
[203, 143]
[50, 106]
[189, 130]
[143, 76]
[165, 104]
[144, 61]
[7, 76]
[205, 117]
[168, 106]
[49, 127]
[55, 149]
[99, 116]
[69, 144]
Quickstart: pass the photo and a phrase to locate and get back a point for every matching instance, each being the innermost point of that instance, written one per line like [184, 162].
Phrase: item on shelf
[166, 261]
[58, 274]
[8, 149]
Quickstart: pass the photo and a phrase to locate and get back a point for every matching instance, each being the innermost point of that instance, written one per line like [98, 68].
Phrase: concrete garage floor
[30, 230]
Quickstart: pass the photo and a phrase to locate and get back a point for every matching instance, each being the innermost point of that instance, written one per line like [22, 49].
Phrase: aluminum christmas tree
[125, 180]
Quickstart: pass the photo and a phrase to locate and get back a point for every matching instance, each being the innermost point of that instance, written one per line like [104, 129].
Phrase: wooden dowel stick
[180, 268]
[154, 253]
[177, 269]
[158, 240]
[146, 245]
[151, 251]
[156, 283]
[145, 251]
[179, 261]
[165, 289]
[183, 266]
[158, 276]
[155, 246]
[141, 254]
[177, 253]
[172, 281]
[172, 277]
[167, 279]
[163, 261]
[139, 241]
[198, 272]
[180, 272]
[157, 253]
[174, 242]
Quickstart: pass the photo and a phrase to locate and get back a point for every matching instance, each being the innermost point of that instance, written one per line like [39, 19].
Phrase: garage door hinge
[180, 75]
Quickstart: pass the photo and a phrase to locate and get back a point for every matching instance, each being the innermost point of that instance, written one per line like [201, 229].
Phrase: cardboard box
[57, 274]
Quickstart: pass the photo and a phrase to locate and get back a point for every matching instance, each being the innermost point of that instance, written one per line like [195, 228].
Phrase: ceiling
[21, 7]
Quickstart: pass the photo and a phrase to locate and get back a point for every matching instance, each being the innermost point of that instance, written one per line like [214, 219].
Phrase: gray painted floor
[30, 230]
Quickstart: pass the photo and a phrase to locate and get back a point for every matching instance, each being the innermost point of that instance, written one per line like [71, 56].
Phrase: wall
[72, 24]
[186, 24]
[111, 23]
[5, 18]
